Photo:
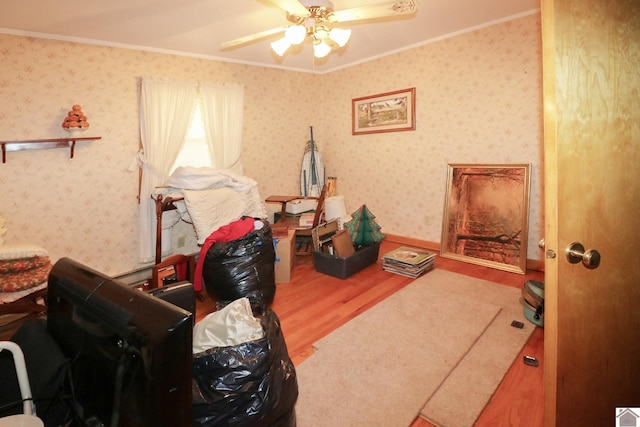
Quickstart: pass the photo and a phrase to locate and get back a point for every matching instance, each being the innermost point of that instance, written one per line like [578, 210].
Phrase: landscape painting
[386, 112]
[486, 215]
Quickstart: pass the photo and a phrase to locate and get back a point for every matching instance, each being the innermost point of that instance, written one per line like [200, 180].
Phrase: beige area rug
[438, 348]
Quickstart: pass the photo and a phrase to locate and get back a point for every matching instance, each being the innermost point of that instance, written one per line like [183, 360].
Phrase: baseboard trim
[535, 264]
[410, 241]
[532, 264]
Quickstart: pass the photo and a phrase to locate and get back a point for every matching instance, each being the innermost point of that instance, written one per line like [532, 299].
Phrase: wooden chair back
[303, 232]
[320, 207]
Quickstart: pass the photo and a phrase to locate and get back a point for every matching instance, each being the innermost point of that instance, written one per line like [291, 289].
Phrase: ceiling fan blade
[250, 38]
[292, 7]
[393, 8]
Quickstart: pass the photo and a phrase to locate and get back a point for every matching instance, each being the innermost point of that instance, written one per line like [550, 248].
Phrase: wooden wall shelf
[39, 144]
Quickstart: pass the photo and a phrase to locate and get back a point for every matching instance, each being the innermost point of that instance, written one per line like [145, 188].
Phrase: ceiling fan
[313, 20]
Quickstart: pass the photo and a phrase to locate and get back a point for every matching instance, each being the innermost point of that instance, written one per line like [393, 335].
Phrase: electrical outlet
[181, 241]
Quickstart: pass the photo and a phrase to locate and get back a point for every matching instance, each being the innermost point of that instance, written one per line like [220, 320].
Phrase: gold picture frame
[386, 112]
[486, 215]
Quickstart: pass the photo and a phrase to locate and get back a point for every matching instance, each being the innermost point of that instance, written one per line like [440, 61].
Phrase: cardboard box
[299, 206]
[344, 267]
[285, 256]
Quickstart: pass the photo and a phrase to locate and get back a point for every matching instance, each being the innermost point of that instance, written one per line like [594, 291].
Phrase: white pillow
[217, 207]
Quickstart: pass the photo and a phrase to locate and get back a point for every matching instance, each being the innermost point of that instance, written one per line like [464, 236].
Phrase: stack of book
[411, 262]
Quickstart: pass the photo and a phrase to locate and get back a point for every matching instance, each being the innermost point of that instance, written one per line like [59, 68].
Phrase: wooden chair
[177, 267]
[304, 244]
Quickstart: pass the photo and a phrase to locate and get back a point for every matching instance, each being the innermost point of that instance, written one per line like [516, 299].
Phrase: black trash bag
[242, 268]
[252, 384]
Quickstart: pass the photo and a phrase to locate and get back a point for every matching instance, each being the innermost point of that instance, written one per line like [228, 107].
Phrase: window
[195, 151]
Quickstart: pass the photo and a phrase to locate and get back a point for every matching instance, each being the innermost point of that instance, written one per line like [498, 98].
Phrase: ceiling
[198, 27]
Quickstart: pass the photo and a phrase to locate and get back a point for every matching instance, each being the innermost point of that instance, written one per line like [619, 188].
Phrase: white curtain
[222, 109]
[166, 108]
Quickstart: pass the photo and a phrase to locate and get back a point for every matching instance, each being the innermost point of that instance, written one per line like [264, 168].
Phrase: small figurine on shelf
[75, 121]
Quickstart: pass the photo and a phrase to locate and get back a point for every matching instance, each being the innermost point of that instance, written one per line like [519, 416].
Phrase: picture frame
[386, 112]
[321, 235]
[486, 215]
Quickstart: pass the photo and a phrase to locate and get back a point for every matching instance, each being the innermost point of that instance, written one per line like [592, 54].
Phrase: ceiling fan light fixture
[321, 49]
[295, 34]
[280, 46]
[340, 36]
[312, 20]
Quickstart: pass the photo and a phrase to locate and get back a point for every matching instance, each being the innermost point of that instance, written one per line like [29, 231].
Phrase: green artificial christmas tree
[363, 228]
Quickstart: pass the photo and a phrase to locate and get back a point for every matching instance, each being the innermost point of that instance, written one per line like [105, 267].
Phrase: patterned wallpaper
[478, 100]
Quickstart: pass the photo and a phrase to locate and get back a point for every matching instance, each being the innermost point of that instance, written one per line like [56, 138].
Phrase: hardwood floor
[314, 304]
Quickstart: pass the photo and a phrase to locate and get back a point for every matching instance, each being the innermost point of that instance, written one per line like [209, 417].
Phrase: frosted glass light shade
[340, 36]
[280, 46]
[295, 34]
[321, 49]
[321, 32]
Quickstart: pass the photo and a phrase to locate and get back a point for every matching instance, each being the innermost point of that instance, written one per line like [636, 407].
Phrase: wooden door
[591, 58]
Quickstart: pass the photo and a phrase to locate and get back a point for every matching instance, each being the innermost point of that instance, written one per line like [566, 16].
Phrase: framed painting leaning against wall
[486, 215]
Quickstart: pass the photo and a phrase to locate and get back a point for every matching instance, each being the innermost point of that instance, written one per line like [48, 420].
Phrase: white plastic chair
[28, 418]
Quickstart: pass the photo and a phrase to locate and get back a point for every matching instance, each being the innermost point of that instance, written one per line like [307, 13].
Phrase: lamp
[314, 20]
[334, 208]
[315, 27]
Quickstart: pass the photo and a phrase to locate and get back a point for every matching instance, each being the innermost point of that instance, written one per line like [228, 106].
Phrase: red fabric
[181, 271]
[226, 233]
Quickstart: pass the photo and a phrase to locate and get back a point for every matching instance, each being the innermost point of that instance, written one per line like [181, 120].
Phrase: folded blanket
[20, 265]
[23, 266]
[23, 274]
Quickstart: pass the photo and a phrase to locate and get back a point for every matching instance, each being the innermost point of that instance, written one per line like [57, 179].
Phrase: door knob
[575, 253]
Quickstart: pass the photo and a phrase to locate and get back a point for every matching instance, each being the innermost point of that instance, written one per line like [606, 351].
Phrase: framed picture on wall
[486, 215]
[386, 112]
